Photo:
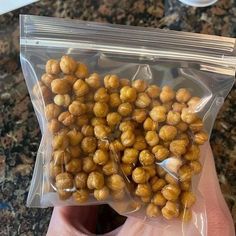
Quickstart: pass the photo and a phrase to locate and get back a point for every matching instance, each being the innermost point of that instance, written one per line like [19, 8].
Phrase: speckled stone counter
[19, 131]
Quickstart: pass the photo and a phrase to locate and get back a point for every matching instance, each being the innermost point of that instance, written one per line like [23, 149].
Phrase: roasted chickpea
[178, 147]
[170, 179]
[118, 195]
[139, 175]
[150, 169]
[63, 195]
[155, 103]
[128, 138]
[101, 194]
[74, 166]
[47, 79]
[143, 190]
[55, 170]
[167, 94]
[60, 86]
[157, 184]
[128, 94]
[188, 199]
[153, 91]
[116, 146]
[110, 168]
[196, 166]
[81, 180]
[200, 138]
[61, 157]
[103, 144]
[62, 100]
[193, 153]
[139, 85]
[52, 67]
[185, 185]
[152, 138]
[113, 119]
[146, 158]
[173, 118]
[185, 173]
[80, 88]
[100, 109]
[185, 215]
[101, 95]
[115, 182]
[87, 130]
[98, 121]
[54, 126]
[93, 81]
[100, 157]
[60, 141]
[167, 132]
[170, 210]
[68, 65]
[158, 113]
[82, 71]
[125, 109]
[130, 156]
[194, 102]
[64, 181]
[89, 144]
[178, 107]
[70, 78]
[196, 126]
[40, 90]
[139, 115]
[146, 199]
[95, 180]
[152, 210]
[111, 82]
[160, 152]
[124, 82]
[101, 131]
[188, 116]
[52, 111]
[160, 172]
[88, 165]
[66, 118]
[115, 100]
[140, 143]
[158, 199]
[183, 95]
[143, 100]
[150, 125]
[82, 120]
[182, 127]
[126, 125]
[81, 195]
[75, 151]
[77, 108]
[127, 168]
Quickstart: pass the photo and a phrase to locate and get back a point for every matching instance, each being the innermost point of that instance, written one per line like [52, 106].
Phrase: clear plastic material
[205, 65]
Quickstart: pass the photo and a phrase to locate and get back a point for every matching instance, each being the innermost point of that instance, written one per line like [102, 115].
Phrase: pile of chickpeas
[109, 132]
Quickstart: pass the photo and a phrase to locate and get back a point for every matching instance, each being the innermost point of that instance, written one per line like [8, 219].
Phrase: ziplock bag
[123, 113]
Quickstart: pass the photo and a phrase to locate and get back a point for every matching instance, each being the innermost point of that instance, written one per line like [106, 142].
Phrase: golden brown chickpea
[80, 88]
[75, 151]
[61, 157]
[126, 125]
[54, 126]
[87, 130]
[93, 81]
[183, 136]
[52, 111]
[146, 158]
[88, 164]
[196, 166]
[77, 108]
[152, 210]
[153, 91]
[183, 95]
[139, 85]
[47, 79]
[66, 118]
[193, 153]
[182, 126]
[143, 100]
[128, 138]
[110, 168]
[82, 71]
[170, 210]
[60, 141]
[113, 119]
[152, 138]
[62, 100]
[118, 195]
[196, 126]
[185, 173]
[70, 78]
[100, 109]
[52, 67]
[89, 144]
[40, 90]
[116, 146]
[200, 138]
[68, 65]
[155, 103]
[64, 181]
[186, 215]
[128, 94]
[75, 137]
[139, 115]
[125, 109]
[101, 131]
[101, 95]
[115, 100]
[101, 194]
[111, 81]
[157, 184]
[140, 143]
[139, 175]
[81, 180]
[178, 107]
[103, 144]
[124, 82]
[100, 157]
[145, 199]
[170, 179]
[98, 121]
[160, 152]
[63, 195]
[194, 102]
[82, 120]
[173, 118]
[115, 182]
[160, 172]
[150, 125]
[81, 195]
[167, 132]
[187, 199]
[130, 156]
[158, 199]
[188, 116]
[158, 113]
[143, 190]
[167, 94]
[127, 168]
[178, 147]
[60, 86]
[74, 166]
[185, 185]
[151, 170]
[95, 180]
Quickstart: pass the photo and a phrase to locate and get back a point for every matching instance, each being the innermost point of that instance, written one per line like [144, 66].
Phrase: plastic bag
[201, 64]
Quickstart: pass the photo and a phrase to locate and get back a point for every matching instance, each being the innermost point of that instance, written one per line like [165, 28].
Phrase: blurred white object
[10, 5]
[198, 3]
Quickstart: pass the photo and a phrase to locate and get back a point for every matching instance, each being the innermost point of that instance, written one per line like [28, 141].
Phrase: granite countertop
[19, 130]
